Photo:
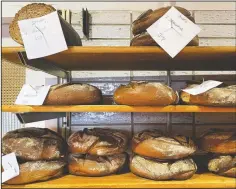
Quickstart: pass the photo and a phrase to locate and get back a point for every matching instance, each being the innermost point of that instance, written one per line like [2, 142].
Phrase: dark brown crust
[88, 165]
[36, 10]
[73, 94]
[98, 141]
[223, 165]
[152, 169]
[145, 39]
[219, 141]
[154, 144]
[145, 94]
[149, 17]
[34, 144]
[38, 171]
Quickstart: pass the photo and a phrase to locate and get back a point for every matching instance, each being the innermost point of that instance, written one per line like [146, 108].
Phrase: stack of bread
[161, 157]
[39, 153]
[146, 19]
[223, 145]
[97, 152]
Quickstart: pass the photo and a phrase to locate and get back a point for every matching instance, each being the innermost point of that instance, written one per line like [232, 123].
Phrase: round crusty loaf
[36, 10]
[155, 170]
[33, 171]
[34, 144]
[98, 141]
[145, 94]
[223, 165]
[144, 39]
[73, 94]
[88, 165]
[154, 144]
[218, 141]
[225, 96]
[147, 18]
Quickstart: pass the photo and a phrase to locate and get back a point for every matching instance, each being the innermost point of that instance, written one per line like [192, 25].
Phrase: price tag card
[32, 95]
[10, 166]
[205, 86]
[42, 36]
[173, 31]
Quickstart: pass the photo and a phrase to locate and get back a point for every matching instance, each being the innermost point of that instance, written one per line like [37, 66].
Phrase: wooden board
[137, 58]
[115, 108]
[129, 180]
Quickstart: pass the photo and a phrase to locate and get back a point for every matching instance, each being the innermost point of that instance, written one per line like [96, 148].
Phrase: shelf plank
[136, 58]
[114, 108]
[129, 180]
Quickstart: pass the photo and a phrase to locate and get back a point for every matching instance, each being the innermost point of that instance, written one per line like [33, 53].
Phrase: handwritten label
[42, 36]
[10, 166]
[173, 31]
[32, 95]
[205, 86]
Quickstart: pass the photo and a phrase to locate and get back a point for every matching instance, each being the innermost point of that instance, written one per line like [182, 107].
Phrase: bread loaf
[73, 94]
[36, 10]
[149, 17]
[34, 144]
[89, 165]
[144, 39]
[225, 96]
[33, 171]
[155, 170]
[223, 165]
[218, 141]
[154, 144]
[98, 141]
[145, 94]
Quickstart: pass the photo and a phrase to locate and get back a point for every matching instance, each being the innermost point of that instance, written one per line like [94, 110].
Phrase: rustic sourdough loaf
[36, 10]
[33, 171]
[34, 144]
[73, 94]
[89, 165]
[145, 94]
[153, 169]
[153, 143]
[98, 141]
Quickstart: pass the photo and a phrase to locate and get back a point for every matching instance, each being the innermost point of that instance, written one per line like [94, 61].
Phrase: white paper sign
[173, 31]
[32, 95]
[10, 166]
[205, 86]
[42, 36]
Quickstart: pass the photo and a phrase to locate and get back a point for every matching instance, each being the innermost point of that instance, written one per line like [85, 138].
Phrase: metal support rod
[169, 116]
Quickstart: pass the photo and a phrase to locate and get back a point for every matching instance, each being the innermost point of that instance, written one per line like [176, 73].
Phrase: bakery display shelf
[129, 180]
[127, 58]
[114, 108]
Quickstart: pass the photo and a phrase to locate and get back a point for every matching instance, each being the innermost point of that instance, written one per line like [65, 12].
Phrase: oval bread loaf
[33, 171]
[145, 94]
[98, 141]
[155, 170]
[88, 165]
[73, 94]
[34, 144]
[154, 144]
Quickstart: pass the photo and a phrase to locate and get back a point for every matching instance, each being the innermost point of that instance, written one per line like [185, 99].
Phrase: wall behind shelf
[110, 25]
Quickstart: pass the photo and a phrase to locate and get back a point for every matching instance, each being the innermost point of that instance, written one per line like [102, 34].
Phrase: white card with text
[173, 31]
[42, 36]
[32, 95]
[205, 86]
[10, 167]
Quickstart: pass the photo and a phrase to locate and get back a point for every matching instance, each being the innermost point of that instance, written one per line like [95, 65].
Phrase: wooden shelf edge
[114, 108]
[129, 180]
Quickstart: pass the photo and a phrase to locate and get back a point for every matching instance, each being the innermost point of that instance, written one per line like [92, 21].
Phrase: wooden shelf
[136, 58]
[129, 180]
[114, 108]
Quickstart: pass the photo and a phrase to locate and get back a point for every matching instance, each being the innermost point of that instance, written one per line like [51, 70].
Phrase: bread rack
[121, 58]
